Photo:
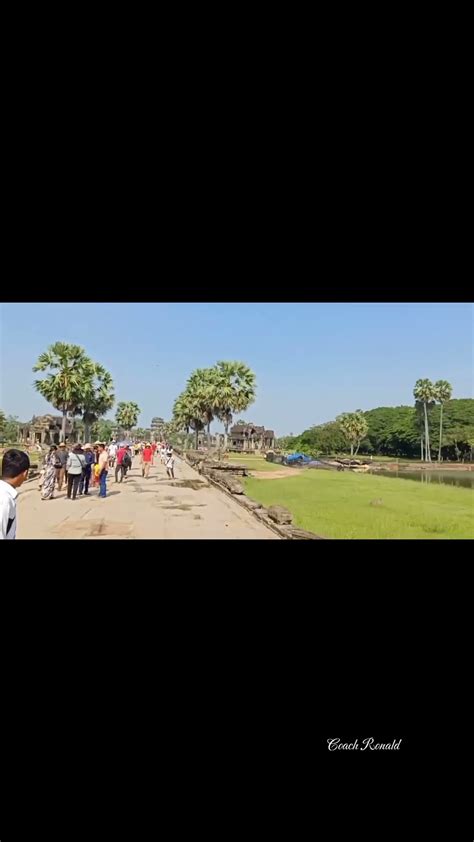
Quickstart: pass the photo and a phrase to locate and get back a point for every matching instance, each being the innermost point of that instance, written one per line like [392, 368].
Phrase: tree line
[215, 392]
[80, 387]
[444, 427]
[77, 386]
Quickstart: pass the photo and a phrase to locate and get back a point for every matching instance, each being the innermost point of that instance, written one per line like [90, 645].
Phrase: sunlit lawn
[338, 505]
[254, 463]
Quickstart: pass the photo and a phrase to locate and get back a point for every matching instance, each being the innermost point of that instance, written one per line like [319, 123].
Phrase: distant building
[46, 429]
[248, 437]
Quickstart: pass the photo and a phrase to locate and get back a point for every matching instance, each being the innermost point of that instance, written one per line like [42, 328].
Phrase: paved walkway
[139, 508]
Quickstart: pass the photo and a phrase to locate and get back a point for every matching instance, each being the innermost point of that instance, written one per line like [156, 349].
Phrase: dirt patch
[287, 472]
[195, 484]
[183, 507]
[93, 529]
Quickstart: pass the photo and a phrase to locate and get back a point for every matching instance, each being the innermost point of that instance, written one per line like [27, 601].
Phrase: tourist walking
[147, 456]
[61, 463]
[75, 465]
[163, 453]
[119, 468]
[103, 469]
[170, 463]
[85, 479]
[112, 451]
[95, 467]
[15, 467]
[49, 476]
[127, 460]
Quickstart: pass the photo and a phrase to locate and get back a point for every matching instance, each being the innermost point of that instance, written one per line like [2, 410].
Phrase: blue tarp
[298, 457]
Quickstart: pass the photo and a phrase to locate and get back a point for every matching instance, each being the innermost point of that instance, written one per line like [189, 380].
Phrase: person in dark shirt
[86, 473]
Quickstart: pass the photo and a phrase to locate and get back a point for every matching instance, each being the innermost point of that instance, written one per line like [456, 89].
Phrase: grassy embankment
[338, 505]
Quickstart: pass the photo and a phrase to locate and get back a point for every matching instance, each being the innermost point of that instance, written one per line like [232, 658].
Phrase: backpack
[127, 460]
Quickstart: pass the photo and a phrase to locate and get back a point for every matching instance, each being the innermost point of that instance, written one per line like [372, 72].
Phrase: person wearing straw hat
[60, 464]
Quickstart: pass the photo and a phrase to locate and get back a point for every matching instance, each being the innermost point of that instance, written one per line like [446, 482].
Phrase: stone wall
[224, 476]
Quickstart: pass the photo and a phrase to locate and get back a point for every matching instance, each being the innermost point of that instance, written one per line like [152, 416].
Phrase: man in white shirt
[169, 462]
[15, 467]
[112, 451]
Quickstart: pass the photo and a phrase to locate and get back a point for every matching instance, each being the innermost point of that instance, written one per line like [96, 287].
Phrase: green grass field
[337, 505]
[254, 463]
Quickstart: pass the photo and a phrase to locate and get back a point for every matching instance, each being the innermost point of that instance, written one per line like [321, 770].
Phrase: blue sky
[312, 361]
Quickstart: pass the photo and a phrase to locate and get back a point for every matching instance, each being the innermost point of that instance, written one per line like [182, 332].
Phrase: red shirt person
[147, 458]
[120, 467]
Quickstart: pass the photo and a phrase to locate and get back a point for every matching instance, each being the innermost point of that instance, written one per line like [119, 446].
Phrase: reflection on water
[462, 479]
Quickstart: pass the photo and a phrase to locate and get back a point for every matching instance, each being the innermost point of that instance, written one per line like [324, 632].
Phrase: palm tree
[201, 389]
[424, 392]
[354, 427]
[127, 415]
[234, 390]
[187, 414]
[442, 392]
[64, 386]
[157, 427]
[98, 397]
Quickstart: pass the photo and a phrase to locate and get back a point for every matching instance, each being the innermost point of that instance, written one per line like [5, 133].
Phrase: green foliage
[98, 396]
[127, 415]
[211, 393]
[354, 428]
[75, 383]
[318, 440]
[394, 431]
[103, 430]
[8, 428]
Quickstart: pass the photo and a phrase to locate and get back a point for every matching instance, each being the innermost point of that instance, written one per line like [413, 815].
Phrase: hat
[96, 443]
[62, 444]
[88, 446]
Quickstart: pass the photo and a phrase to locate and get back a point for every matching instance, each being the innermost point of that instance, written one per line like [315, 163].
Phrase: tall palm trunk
[421, 442]
[226, 434]
[352, 449]
[440, 431]
[197, 438]
[427, 436]
[209, 435]
[63, 426]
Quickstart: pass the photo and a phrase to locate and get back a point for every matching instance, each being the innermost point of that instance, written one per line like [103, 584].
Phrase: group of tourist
[77, 468]
[88, 465]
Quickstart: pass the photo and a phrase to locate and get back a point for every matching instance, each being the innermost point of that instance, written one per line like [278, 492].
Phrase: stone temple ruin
[248, 437]
[46, 429]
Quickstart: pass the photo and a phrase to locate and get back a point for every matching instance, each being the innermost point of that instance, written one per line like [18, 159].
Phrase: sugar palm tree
[424, 392]
[354, 427]
[157, 427]
[201, 390]
[442, 392]
[127, 415]
[98, 396]
[187, 414]
[234, 390]
[64, 386]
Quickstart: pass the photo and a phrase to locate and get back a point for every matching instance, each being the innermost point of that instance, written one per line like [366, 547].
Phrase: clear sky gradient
[312, 361]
